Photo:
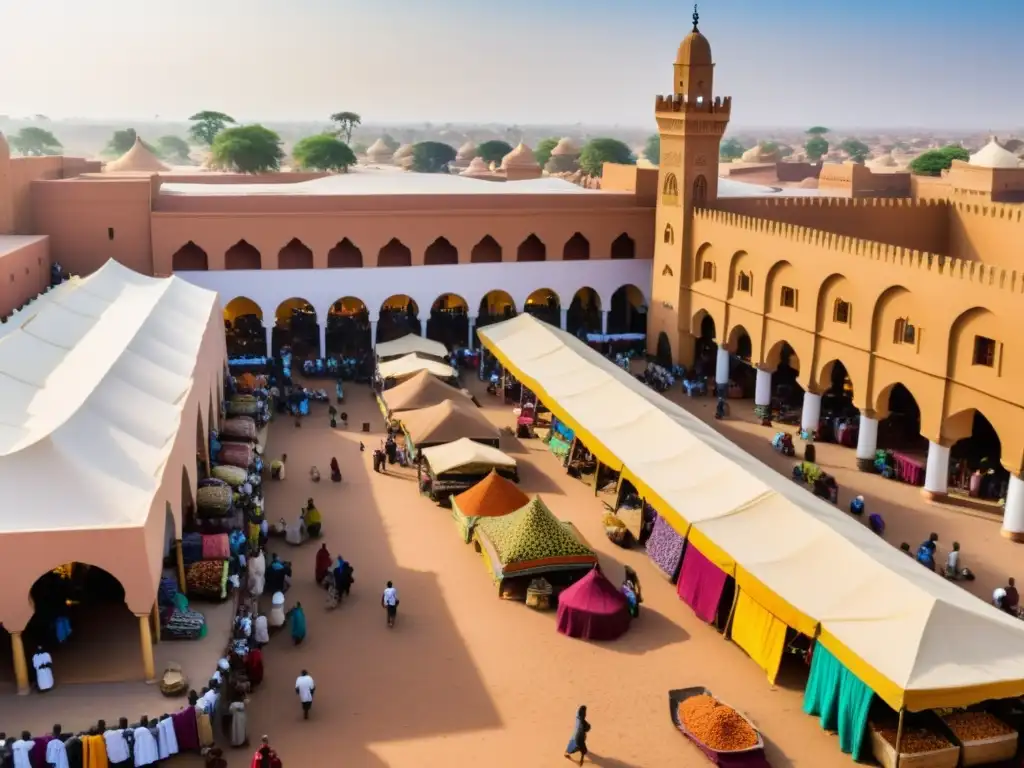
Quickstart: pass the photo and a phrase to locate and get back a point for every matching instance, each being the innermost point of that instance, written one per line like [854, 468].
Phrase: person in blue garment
[578, 742]
[298, 624]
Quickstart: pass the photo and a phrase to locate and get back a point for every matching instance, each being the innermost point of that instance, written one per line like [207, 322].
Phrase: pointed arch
[242, 255]
[399, 316]
[532, 249]
[495, 306]
[189, 258]
[669, 238]
[628, 311]
[577, 248]
[545, 304]
[670, 190]
[348, 328]
[487, 251]
[295, 255]
[394, 254]
[449, 320]
[623, 247]
[700, 191]
[345, 255]
[441, 251]
[584, 313]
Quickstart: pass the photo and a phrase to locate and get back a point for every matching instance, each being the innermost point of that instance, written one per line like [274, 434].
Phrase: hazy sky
[845, 63]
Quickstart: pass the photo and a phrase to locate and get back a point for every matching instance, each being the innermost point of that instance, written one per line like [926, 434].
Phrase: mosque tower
[691, 123]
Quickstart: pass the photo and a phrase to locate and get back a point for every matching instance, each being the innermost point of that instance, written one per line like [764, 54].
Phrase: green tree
[247, 149]
[121, 142]
[597, 152]
[817, 130]
[934, 162]
[652, 149]
[173, 148]
[207, 124]
[36, 142]
[816, 147]
[347, 122]
[543, 150]
[857, 150]
[325, 152]
[493, 151]
[731, 149]
[431, 157]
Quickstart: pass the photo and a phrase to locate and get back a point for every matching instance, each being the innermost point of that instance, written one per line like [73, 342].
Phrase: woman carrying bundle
[311, 517]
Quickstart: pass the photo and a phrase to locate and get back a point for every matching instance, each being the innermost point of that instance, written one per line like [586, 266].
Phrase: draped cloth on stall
[759, 633]
[701, 583]
[840, 700]
[665, 547]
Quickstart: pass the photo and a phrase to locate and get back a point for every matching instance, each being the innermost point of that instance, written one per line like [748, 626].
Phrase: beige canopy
[410, 365]
[421, 390]
[137, 159]
[447, 422]
[411, 344]
[466, 456]
[915, 639]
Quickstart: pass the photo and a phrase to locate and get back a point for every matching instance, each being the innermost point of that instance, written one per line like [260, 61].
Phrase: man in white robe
[43, 664]
[56, 752]
[20, 750]
[146, 749]
[118, 752]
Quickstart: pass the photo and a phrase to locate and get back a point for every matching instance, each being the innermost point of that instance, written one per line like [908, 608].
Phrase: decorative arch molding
[704, 266]
[189, 258]
[881, 327]
[964, 359]
[836, 288]
[740, 342]
[739, 262]
[823, 377]
[773, 284]
[439, 252]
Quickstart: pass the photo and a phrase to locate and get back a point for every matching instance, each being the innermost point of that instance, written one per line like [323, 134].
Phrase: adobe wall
[902, 222]
[25, 170]
[992, 233]
[91, 221]
[950, 302]
[640, 182]
[929, 188]
[797, 172]
[24, 270]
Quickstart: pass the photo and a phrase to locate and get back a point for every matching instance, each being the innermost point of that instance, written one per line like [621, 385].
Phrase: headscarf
[334, 466]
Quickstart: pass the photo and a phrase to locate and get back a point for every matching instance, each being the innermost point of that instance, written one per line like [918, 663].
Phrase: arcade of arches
[965, 461]
[352, 327]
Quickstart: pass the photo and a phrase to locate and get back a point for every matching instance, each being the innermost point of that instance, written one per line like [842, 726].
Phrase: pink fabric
[216, 547]
[700, 584]
[593, 609]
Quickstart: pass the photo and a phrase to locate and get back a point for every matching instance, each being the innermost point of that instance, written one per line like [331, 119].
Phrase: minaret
[691, 123]
[6, 189]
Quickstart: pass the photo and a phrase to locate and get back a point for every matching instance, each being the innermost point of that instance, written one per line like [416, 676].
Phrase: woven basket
[214, 500]
[173, 682]
[238, 428]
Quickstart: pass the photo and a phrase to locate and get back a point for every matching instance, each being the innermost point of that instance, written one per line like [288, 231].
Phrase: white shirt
[390, 596]
[260, 633]
[57, 754]
[305, 686]
[953, 560]
[43, 664]
[167, 740]
[146, 749]
[20, 750]
[117, 747]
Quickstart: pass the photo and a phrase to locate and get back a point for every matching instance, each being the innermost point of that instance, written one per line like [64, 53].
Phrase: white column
[867, 442]
[373, 334]
[604, 322]
[270, 341]
[323, 339]
[565, 319]
[1013, 514]
[812, 412]
[722, 368]
[763, 388]
[423, 328]
[481, 374]
[936, 473]
[472, 327]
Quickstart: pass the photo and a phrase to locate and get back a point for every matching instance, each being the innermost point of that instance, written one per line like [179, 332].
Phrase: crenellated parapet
[998, 211]
[720, 105]
[837, 202]
[997, 278]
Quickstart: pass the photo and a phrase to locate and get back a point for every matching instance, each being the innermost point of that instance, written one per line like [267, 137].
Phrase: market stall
[421, 390]
[593, 609]
[493, 496]
[394, 372]
[453, 467]
[411, 344]
[446, 422]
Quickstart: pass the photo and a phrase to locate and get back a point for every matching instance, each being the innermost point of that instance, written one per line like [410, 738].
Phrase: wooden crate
[993, 750]
[886, 755]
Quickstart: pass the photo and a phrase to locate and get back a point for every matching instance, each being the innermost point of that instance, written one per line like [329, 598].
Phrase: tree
[731, 149]
[493, 151]
[325, 152]
[857, 150]
[247, 149]
[173, 148]
[390, 142]
[207, 124]
[347, 121]
[816, 147]
[431, 157]
[360, 147]
[934, 162]
[817, 130]
[597, 152]
[543, 150]
[652, 149]
[36, 142]
[124, 140]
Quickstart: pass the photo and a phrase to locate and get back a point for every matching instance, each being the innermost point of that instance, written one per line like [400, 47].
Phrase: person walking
[305, 687]
[389, 601]
[265, 756]
[578, 742]
[298, 624]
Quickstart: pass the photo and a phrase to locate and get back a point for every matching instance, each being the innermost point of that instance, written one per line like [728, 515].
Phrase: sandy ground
[466, 678]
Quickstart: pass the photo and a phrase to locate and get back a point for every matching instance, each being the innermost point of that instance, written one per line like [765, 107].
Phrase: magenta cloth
[665, 547]
[593, 609]
[186, 729]
[700, 584]
[216, 546]
[37, 755]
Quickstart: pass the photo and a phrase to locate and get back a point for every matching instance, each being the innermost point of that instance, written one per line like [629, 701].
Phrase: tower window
[110, 233]
[700, 191]
[841, 312]
[984, 351]
[743, 282]
[707, 270]
[904, 332]
[788, 297]
[670, 190]
[670, 235]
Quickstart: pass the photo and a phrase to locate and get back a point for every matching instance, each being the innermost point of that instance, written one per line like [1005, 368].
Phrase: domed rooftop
[565, 146]
[520, 157]
[992, 155]
[466, 151]
[476, 167]
[759, 154]
[379, 150]
[695, 48]
[403, 152]
[137, 159]
[883, 161]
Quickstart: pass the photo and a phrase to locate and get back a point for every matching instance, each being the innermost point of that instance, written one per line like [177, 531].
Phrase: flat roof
[12, 243]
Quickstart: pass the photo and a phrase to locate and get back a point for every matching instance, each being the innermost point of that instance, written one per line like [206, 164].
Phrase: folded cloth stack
[233, 476]
[183, 625]
[207, 580]
[243, 408]
[213, 499]
[192, 548]
[241, 428]
[166, 591]
[236, 454]
[216, 547]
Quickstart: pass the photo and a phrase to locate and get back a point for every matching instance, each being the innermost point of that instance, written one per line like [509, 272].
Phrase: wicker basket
[885, 754]
[173, 682]
[538, 595]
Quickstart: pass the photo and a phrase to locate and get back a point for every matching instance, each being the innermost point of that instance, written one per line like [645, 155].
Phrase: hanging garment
[186, 731]
[145, 747]
[759, 633]
[43, 664]
[116, 745]
[95, 752]
[57, 754]
[166, 741]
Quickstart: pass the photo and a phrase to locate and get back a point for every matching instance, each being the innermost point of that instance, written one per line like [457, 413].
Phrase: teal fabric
[840, 700]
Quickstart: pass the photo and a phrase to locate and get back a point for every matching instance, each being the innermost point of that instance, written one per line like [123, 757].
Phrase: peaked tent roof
[993, 155]
[532, 537]
[447, 422]
[421, 390]
[493, 496]
[467, 455]
[409, 344]
[138, 158]
[915, 639]
[409, 365]
[594, 594]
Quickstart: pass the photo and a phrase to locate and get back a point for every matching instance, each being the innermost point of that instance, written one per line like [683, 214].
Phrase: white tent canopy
[914, 638]
[409, 365]
[466, 453]
[410, 344]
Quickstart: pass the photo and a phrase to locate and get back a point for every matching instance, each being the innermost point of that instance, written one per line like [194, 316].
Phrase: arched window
[904, 332]
[670, 235]
[667, 271]
[670, 190]
[707, 270]
[743, 282]
[700, 191]
[841, 312]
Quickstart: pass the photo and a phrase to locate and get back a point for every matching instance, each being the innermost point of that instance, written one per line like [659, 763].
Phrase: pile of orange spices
[716, 725]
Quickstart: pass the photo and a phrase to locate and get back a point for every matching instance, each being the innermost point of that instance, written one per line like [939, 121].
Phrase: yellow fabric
[94, 752]
[774, 604]
[759, 633]
[313, 516]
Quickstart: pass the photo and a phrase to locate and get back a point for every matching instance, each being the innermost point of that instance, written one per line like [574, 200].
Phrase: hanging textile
[760, 634]
[665, 547]
[840, 700]
[700, 584]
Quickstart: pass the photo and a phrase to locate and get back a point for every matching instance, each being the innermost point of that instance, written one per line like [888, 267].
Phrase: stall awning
[447, 422]
[914, 638]
[421, 390]
[410, 365]
[411, 344]
[465, 454]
